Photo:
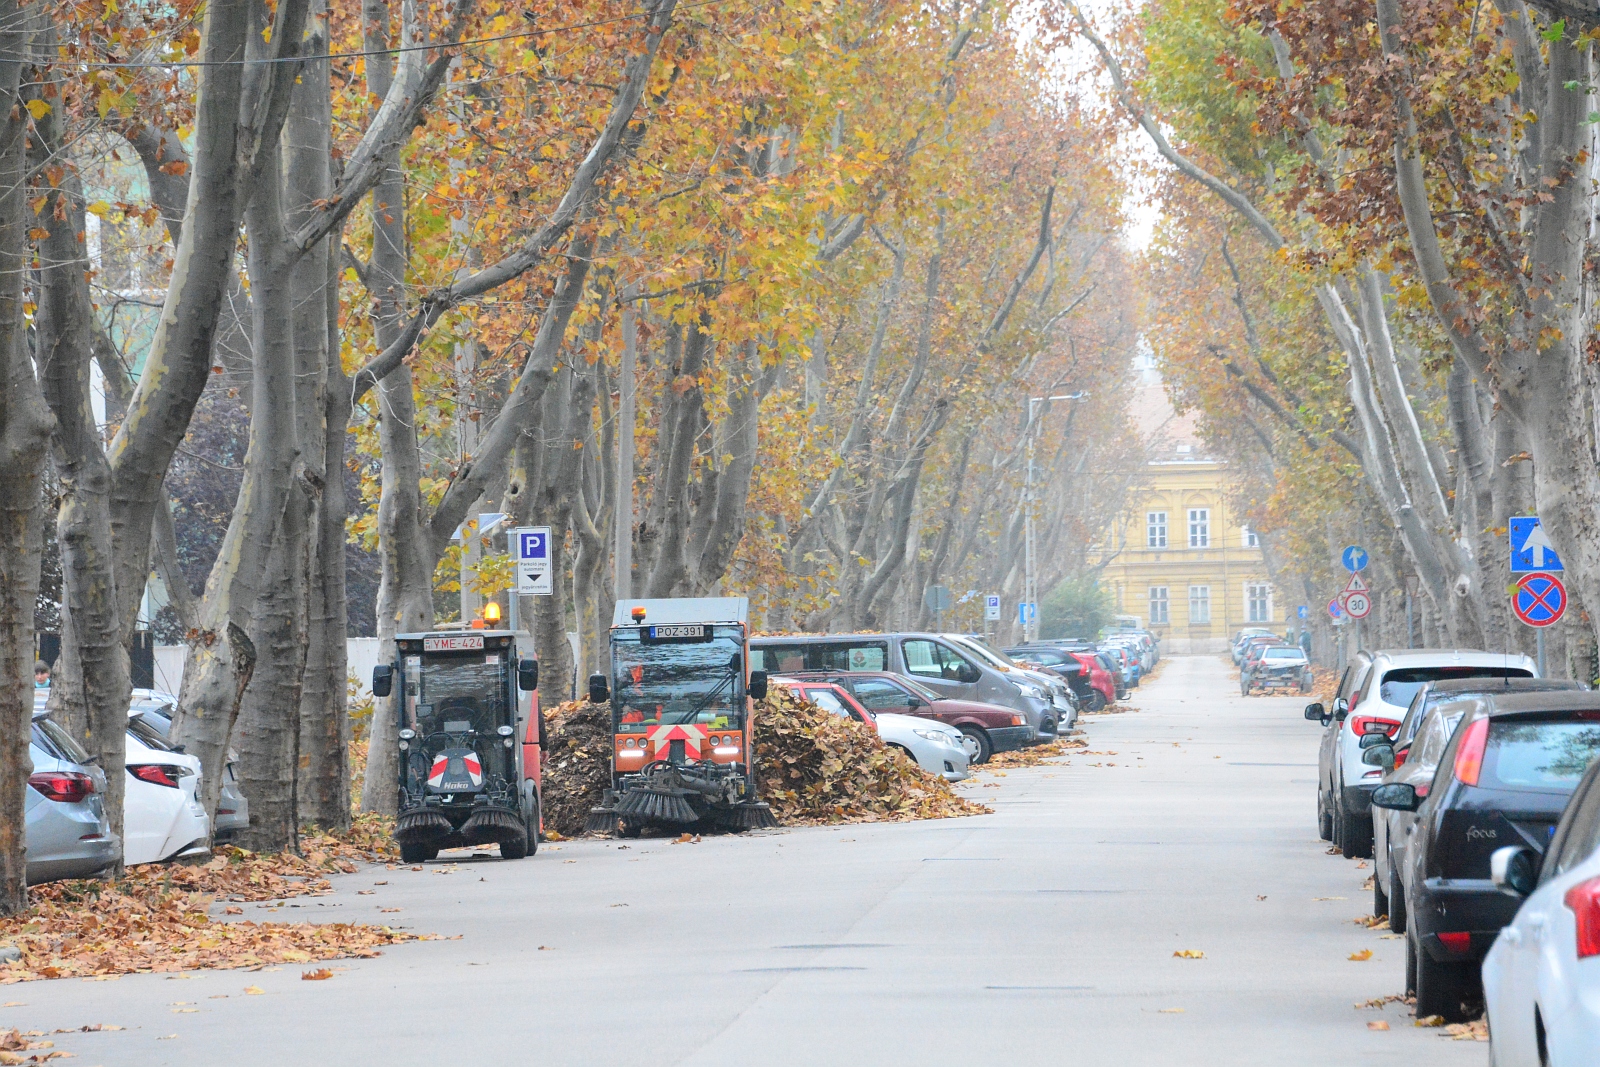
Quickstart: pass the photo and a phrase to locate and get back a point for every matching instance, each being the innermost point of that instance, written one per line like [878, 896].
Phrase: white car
[1541, 979]
[937, 748]
[1373, 696]
[163, 817]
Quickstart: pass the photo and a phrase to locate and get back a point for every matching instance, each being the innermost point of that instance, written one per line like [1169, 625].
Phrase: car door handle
[1512, 935]
[1538, 925]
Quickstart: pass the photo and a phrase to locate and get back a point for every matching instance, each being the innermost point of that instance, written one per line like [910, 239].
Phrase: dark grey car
[67, 833]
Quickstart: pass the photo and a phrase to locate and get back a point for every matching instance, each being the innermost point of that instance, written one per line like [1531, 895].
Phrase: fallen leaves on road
[1377, 1024]
[254, 990]
[1372, 922]
[1477, 1030]
[1361, 956]
[1328, 898]
[1384, 1001]
[1170, 1011]
[1032, 757]
[681, 839]
[577, 765]
[1430, 1020]
[321, 974]
[1189, 954]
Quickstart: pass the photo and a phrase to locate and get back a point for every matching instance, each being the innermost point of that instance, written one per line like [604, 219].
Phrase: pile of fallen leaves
[370, 837]
[155, 919]
[577, 765]
[1325, 682]
[816, 767]
[1033, 756]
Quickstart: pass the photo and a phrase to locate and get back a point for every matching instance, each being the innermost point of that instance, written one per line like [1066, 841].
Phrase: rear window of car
[1400, 685]
[827, 701]
[1284, 653]
[148, 734]
[62, 744]
[1542, 756]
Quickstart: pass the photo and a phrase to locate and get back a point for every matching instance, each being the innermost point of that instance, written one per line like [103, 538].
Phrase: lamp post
[1411, 591]
[1030, 588]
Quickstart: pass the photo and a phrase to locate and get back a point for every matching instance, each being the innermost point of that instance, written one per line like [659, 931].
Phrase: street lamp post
[1030, 587]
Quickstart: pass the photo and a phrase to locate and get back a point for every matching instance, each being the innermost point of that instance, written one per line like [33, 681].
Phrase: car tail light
[1371, 724]
[157, 774]
[1584, 900]
[1456, 941]
[1469, 754]
[65, 786]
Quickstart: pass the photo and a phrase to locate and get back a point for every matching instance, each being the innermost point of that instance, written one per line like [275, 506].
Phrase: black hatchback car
[1503, 779]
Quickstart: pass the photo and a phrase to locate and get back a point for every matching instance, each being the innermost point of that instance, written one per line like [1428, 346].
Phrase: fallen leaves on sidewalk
[1477, 1030]
[1361, 956]
[1377, 1024]
[321, 974]
[151, 921]
[1032, 757]
[1430, 1020]
[1189, 954]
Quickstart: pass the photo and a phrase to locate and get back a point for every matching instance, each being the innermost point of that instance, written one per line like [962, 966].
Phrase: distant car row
[68, 834]
[1267, 661]
[1474, 784]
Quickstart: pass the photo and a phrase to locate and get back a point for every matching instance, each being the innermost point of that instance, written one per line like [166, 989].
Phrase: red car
[985, 728]
[828, 697]
[1099, 678]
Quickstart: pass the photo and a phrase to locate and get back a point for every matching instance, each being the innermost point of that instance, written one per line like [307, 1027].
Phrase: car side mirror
[968, 674]
[1514, 870]
[382, 680]
[1317, 712]
[1341, 708]
[1379, 756]
[599, 690]
[758, 685]
[1373, 739]
[528, 675]
[1396, 796]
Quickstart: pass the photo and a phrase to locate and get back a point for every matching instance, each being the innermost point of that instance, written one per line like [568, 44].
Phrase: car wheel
[1097, 700]
[514, 850]
[629, 828]
[1441, 987]
[1338, 822]
[976, 742]
[1397, 901]
[1380, 899]
[1324, 819]
[417, 854]
[1355, 834]
[1411, 968]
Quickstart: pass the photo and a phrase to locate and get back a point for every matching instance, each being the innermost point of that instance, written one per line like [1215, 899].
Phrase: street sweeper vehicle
[682, 698]
[470, 736]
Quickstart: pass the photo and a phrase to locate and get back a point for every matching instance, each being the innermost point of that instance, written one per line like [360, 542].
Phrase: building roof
[1168, 436]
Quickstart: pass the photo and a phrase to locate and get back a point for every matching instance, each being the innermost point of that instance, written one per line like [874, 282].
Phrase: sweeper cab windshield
[677, 675]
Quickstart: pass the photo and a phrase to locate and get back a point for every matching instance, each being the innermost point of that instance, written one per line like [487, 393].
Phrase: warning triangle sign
[1356, 585]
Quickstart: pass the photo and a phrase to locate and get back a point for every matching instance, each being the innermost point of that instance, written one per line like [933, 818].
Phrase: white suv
[1373, 696]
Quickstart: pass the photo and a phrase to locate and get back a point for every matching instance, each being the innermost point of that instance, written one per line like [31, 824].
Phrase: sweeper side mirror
[382, 680]
[599, 690]
[758, 685]
[528, 675]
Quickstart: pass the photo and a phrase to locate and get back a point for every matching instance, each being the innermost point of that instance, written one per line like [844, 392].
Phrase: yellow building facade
[1178, 558]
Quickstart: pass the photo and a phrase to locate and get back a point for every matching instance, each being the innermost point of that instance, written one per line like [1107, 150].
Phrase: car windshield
[983, 651]
[1285, 654]
[695, 679]
[828, 701]
[1048, 656]
[918, 688]
[1539, 755]
[457, 692]
[1400, 685]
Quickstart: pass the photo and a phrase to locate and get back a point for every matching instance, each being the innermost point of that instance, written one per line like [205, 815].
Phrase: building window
[1251, 538]
[1159, 605]
[1199, 603]
[1258, 600]
[1155, 529]
[1199, 527]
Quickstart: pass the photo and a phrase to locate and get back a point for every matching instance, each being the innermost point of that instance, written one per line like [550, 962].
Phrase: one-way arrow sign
[1531, 549]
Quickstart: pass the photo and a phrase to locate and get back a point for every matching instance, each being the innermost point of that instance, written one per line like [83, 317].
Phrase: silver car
[67, 833]
[937, 748]
[153, 709]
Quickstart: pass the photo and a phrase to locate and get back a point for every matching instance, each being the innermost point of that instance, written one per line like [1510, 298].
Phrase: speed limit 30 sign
[1358, 605]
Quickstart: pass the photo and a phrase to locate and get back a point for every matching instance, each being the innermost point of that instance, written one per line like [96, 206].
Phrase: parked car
[1504, 778]
[936, 748]
[163, 817]
[943, 665]
[64, 822]
[1278, 667]
[1417, 746]
[985, 728]
[1250, 651]
[1061, 698]
[1374, 693]
[156, 709]
[1101, 677]
[1243, 636]
[1123, 665]
[1058, 661]
[1541, 979]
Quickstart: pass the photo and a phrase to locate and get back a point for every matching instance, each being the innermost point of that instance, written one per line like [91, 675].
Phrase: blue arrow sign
[1302, 611]
[1354, 558]
[1531, 549]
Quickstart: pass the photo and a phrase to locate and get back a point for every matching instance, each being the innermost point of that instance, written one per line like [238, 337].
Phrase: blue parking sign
[1531, 549]
[531, 545]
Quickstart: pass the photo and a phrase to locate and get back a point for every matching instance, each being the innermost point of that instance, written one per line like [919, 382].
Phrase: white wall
[362, 652]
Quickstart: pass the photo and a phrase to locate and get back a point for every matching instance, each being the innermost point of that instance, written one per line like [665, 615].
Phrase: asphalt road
[1041, 934]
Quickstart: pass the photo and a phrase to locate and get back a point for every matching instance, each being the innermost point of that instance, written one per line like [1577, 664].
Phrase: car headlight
[1030, 690]
[937, 735]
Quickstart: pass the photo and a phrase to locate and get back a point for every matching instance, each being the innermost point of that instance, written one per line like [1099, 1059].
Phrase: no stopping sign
[1540, 599]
